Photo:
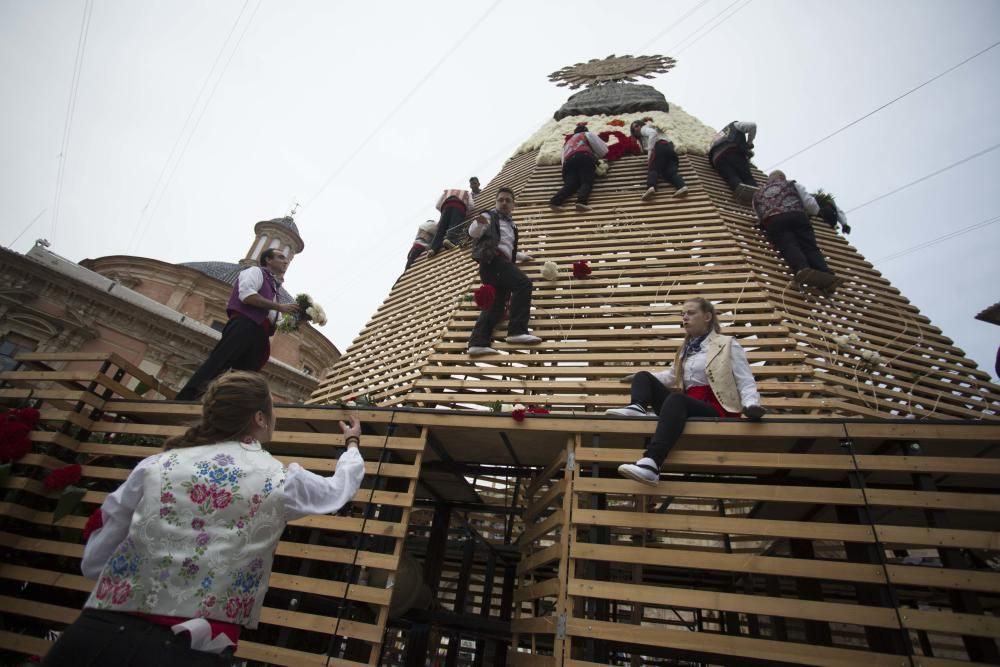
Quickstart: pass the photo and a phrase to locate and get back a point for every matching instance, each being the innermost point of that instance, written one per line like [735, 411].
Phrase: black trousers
[506, 279]
[578, 173]
[793, 236]
[734, 167]
[416, 251]
[664, 164]
[115, 639]
[673, 409]
[242, 347]
[451, 216]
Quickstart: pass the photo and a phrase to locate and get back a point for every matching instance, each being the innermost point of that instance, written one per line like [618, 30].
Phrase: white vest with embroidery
[202, 539]
[719, 368]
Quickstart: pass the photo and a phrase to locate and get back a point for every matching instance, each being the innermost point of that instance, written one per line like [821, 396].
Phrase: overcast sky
[193, 120]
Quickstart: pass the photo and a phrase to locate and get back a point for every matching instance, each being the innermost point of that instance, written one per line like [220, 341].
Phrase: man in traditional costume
[730, 153]
[580, 154]
[253, 310]
[663, 160]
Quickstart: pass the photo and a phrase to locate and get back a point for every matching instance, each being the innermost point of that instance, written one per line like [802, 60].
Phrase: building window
[10, 347]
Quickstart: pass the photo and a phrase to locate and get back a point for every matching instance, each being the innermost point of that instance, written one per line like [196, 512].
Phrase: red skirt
[704, 393]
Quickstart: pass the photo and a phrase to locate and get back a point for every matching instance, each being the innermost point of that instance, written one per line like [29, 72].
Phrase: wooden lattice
[646, 259]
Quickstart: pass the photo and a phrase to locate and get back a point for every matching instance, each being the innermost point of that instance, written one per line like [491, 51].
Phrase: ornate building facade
[163, 317]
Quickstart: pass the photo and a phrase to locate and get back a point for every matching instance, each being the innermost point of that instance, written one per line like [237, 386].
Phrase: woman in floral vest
[183, 549]
[710, 377]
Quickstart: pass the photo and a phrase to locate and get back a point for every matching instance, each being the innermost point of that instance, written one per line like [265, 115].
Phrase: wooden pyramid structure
[865, 352]
[858, 524]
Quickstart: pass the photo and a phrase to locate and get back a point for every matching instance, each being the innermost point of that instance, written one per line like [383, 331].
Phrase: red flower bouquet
[60, 478]
[484, 296]
[581, 269]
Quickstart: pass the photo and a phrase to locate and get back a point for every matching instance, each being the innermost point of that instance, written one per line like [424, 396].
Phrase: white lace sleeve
[116, 514]
[307, 493]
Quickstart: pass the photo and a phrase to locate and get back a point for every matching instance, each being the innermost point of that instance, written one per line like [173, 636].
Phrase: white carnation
[841, 341]
[550, 270]
[688, 133]
[519, 406]
[854, 338]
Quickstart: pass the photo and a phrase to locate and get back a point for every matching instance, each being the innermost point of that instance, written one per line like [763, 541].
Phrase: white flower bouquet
[309, 311]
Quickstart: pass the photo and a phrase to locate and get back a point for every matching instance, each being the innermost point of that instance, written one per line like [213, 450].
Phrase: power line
[74, 86]
[184, 127]
[197, 122]
[670, 27]
[697, 39]
[343, 165]
[23, 231]
[890, 102]
[924, 178]
[940, 239]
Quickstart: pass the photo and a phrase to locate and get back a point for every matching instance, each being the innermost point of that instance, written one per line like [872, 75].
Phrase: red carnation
[537, 411]
[617, 122]
[29, 416]
[94, 523]
[484, 296]
[581, 269]
[60, 478]
[11, 449]
[518, 414]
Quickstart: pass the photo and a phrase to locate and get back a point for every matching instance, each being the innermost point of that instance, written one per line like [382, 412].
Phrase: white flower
[854, 338]
[688, 134]
[351, 403]
[876, 358]
[519, 406]
[841, 341]
[311, 312]
[602, 168]
[550, 270]
[867, 355]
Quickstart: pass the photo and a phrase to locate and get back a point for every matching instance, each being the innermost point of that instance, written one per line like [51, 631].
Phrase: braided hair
[705, 306]
[227, 410]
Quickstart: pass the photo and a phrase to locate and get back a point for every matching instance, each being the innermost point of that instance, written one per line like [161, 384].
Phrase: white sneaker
[628, 411]
[682, 192]
[648, 194]
[448, 244]
[523, 339]
[583, 208]
[480, 350]
[644, 470]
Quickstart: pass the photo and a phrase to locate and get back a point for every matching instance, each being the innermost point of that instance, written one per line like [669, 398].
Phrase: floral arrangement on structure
[688, 134]
[851, 342]
[309, 311]
[520, 412]
[623, 145]
[484, 296]
[581, 269]
[550, 270]
[15, 428]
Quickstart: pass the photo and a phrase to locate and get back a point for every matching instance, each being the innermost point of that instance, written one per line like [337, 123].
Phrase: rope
[390, 427]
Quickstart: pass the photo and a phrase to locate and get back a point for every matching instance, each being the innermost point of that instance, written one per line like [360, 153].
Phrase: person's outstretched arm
[307, 493]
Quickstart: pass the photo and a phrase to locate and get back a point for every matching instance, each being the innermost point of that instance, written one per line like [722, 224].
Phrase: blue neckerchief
[694, 345]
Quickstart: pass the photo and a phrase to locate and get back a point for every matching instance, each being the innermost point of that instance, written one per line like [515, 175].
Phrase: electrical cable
[74, 87]
[670, 27]
[678, 51]
[924, 178]
[406, 98]
[23, 231]
[194, 128]
[940, 239]
[184, 126]
[887, 104]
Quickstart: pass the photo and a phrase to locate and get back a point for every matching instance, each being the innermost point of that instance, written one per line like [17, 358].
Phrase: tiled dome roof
[227, 273]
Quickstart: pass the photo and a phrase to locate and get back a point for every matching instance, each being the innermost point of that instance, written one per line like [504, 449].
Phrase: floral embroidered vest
[777, 197]
[202, 539]
[725, 140]
[576, 144]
